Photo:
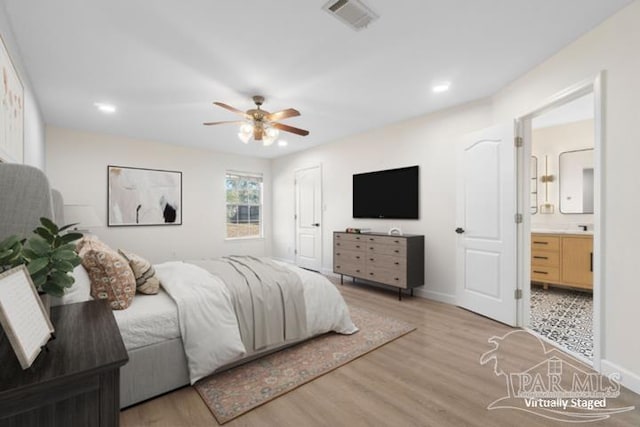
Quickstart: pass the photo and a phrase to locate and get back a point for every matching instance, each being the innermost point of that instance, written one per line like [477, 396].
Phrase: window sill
[242, 239]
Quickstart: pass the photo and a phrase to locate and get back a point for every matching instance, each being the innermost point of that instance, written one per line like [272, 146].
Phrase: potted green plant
[49, 256]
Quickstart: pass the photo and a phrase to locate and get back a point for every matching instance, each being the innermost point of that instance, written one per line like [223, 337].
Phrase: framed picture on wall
[138, 196]
[11, 110]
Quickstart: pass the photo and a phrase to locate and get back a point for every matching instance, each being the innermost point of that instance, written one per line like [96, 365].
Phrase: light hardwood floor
[430, 377]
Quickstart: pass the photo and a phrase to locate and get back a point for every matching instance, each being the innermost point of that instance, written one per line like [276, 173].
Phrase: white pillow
[80, 291]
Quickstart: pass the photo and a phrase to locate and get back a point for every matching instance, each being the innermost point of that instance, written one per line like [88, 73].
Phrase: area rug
[565, 317]
[234, 392]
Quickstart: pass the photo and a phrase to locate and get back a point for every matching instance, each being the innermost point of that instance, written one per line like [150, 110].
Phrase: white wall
[613, 47]
[428, 141]
[550, 142]
[425, 141]
[77, 166]
[34, 139]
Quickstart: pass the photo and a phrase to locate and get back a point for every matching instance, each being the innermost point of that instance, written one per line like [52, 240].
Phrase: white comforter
[208, 323]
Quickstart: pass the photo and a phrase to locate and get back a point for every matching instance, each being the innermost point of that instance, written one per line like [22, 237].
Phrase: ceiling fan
[261, 124]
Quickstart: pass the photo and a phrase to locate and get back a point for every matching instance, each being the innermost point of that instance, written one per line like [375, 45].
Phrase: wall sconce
[547, 207]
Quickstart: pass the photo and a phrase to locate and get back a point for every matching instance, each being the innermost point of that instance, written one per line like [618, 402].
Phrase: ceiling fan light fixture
[245, 132]
[270, 136]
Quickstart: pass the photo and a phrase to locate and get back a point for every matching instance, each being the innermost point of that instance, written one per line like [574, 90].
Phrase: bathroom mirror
[576, 181]
[534, 185]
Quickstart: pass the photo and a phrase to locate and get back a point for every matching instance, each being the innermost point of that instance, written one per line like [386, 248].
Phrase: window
[244, 205]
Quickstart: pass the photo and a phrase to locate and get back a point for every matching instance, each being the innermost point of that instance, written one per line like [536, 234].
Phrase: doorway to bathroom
[561, 294]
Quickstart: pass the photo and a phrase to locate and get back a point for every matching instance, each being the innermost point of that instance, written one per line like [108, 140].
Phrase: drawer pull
[371, 274]
[541, 257]
[371, 248]
[358, 246]
[540, 243]
[371, 259]
[540, 272]
[358, 257]
[337, 267]
[371, 239]
[337, 244]
[338, 253]
[357, 271]
[397, 251]
[396, 263]
[358, 238]
[397, 278]
[397, 241]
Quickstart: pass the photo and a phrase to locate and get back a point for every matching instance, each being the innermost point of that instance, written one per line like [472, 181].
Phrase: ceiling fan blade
[279, 115]
[223, 123]
[232, 109]
[291, 129]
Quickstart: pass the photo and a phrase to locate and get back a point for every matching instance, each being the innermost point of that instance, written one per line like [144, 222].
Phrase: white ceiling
[163, 62]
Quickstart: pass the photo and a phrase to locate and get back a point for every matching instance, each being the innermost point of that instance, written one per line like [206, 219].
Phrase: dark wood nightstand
[76, 382]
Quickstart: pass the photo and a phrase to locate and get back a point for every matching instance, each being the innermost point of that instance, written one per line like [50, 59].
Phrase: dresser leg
[341, 279]
[399, 294]
[411, 291]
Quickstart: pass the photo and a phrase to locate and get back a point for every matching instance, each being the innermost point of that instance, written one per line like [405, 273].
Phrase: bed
[175, 338]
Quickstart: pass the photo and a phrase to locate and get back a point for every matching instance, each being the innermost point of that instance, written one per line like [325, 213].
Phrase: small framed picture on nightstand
[22, 315]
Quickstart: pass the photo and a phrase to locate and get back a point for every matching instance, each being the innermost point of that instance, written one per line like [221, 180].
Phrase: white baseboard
[435, 296]
[628, 379]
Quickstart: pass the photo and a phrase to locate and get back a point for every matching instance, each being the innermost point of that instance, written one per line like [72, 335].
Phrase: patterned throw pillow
[146, 280]
[110, 274]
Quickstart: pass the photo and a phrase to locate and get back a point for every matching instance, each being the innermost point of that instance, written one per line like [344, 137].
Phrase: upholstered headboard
[25, 197]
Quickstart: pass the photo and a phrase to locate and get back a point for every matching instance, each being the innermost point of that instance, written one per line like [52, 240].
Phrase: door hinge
[518, 218]
[518, 141]
[295, 252]
[518, 294]
[295, 216]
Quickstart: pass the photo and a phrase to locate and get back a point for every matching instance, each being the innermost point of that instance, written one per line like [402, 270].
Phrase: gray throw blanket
[268, 299]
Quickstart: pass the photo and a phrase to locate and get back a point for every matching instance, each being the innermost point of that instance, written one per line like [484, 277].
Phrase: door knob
[316, 224]
[459, 230]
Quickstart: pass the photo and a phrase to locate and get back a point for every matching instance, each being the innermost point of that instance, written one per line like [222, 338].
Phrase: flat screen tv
[392, 194]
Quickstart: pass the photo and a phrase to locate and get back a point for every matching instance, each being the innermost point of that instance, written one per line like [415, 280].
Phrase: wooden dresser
[76, 382]
[397, 261]
[562, 259]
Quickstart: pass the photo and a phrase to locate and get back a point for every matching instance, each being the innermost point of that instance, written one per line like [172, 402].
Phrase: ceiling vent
[354, 13]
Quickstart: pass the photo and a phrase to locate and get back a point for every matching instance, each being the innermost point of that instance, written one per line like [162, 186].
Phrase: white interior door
[486, 207]
[308, 217]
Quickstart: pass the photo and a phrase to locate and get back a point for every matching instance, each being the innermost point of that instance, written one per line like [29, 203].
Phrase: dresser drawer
[545, 258]
[386, 240]
[545, 243]
[543, 274]
[386, 261]
[384, 275]
[349, 245]
[350, 237]
[349, 268]
[380, 249]
[350, 257]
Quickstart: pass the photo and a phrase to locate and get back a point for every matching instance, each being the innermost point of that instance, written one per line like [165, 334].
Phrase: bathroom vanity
[562, 258]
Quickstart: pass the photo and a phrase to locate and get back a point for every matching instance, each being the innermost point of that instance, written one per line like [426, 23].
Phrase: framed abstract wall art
[139, 196]
[11, 110]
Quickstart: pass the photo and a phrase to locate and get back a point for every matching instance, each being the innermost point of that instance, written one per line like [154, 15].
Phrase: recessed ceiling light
[282, 143]
[105, 108]
[442, 87]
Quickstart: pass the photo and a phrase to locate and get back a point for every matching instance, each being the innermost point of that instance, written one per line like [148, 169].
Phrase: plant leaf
[10, 241]
[64, 255]
[45, 234]
[39, 246]
[67, 227]
[37, 265]
[50, 225]
[39, 280]
[70, 237]
[63, 265]
[53, 289]
[61, 279]
[29, 254]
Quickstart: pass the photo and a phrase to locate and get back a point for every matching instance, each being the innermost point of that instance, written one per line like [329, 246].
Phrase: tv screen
[389, 193]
